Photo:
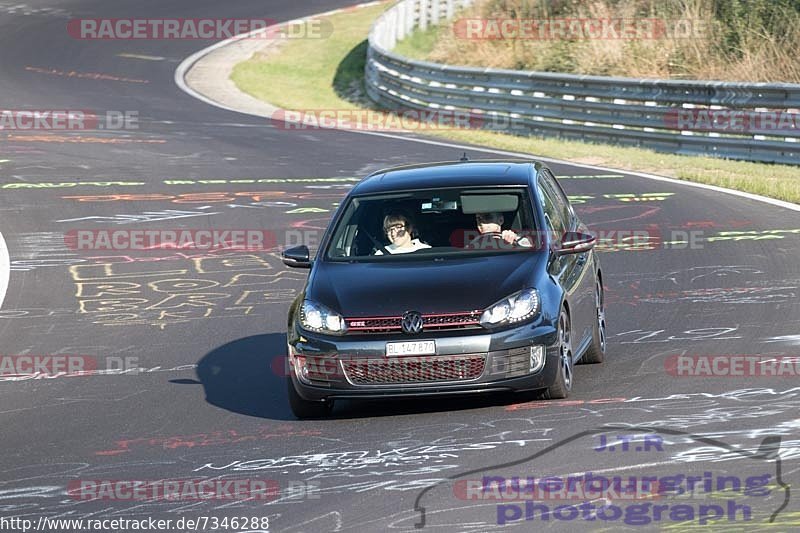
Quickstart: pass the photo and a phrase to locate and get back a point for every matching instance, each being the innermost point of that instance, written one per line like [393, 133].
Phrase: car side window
[553, 217]
[558, 197]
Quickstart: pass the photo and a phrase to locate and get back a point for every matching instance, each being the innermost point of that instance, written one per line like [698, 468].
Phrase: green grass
[311, 73]
[321, 74]
[419, 44]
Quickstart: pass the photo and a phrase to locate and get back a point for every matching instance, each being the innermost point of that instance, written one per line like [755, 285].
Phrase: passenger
[493, 236]
[402, 234]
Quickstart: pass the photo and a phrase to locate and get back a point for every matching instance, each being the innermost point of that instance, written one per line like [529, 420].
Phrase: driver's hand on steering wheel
[509, 236]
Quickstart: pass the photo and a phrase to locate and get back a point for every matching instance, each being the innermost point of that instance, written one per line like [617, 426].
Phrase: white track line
[186, 64]
[5, 269]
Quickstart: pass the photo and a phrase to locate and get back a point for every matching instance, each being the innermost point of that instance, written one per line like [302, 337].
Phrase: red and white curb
[263, 109]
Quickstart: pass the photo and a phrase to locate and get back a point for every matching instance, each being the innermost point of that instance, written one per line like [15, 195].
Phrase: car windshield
[452, 221]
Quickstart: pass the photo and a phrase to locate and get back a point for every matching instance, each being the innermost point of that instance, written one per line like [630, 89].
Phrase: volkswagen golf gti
[446, 278]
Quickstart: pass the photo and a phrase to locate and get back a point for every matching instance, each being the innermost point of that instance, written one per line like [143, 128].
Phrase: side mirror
[296, 257]
[575, 242]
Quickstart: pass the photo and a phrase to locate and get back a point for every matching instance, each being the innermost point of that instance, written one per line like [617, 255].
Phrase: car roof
[475, 173]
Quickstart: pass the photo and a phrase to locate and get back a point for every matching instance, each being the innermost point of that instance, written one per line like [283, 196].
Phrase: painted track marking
[5, 269]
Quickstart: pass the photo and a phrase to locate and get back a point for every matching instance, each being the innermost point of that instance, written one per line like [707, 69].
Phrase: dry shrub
[740, 40]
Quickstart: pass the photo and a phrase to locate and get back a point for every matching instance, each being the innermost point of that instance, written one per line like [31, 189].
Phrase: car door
[574, 269]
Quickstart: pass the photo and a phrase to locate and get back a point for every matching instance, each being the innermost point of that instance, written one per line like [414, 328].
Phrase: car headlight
[519, 306]
[317, 317]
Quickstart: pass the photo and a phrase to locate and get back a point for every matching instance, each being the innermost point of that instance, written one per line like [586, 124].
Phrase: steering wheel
[483, 238]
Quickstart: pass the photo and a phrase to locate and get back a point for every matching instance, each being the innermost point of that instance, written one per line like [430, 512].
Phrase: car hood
[427, 286]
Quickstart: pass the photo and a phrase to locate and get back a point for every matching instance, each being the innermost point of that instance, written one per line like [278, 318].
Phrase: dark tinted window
[560, 201]
[553, 216]
[443, 221]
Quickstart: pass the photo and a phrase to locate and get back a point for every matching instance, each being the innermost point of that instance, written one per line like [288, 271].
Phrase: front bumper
[505, 366]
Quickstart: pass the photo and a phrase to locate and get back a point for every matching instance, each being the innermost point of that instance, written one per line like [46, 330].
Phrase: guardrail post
[410, 12]
[423, 15]
[400, 21]
[390, 31]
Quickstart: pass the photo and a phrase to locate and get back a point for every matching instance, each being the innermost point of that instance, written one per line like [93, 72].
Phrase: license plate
[394, 349]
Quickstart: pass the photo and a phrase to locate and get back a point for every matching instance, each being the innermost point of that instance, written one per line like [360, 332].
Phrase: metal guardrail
[665, 115]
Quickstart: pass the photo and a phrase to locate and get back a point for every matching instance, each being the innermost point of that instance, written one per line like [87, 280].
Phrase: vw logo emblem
[411, 323]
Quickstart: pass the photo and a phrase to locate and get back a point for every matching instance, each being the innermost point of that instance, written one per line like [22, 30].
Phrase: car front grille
[426, 369]
[391, 324]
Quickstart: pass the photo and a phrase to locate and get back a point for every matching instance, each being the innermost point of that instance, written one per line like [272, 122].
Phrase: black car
[446, 278]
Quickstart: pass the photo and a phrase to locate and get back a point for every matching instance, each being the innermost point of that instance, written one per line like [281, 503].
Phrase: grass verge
[328, 74]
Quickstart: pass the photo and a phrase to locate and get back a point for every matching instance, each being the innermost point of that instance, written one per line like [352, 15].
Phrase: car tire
[597, 350]
[562, 384]
[302, 408]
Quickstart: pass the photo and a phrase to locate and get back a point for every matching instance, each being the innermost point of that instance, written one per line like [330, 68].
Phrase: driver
[492, 234]
[402, 234]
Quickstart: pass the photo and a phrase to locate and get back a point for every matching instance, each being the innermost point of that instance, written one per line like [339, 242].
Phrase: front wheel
[597, 350]
[563, 383]
[302, 408]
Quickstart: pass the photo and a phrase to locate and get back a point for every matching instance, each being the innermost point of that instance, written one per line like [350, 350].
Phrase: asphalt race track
[203, 396]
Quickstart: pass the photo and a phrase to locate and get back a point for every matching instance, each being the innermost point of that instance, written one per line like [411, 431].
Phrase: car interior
[443, 219]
